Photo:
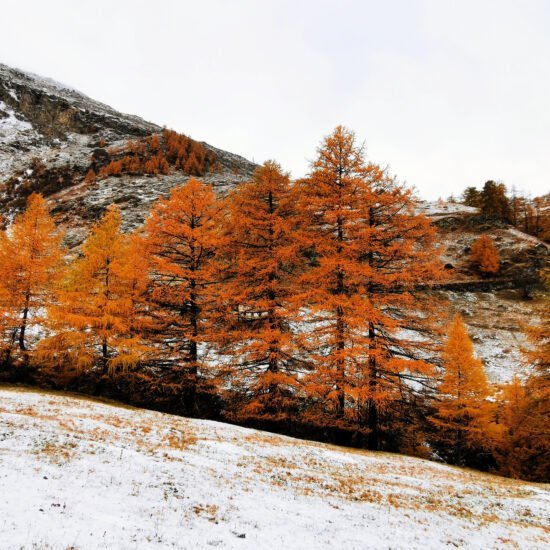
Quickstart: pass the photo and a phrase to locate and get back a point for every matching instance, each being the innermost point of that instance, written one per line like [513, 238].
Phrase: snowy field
[76, 473]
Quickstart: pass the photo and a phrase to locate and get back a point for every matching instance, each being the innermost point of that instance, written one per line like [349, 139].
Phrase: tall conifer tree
[368, 252]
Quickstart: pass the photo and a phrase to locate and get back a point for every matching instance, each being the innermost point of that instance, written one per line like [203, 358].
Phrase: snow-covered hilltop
[76, 473]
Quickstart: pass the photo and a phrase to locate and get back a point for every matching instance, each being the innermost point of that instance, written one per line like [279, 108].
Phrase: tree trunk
[23, 327]
[373, 440]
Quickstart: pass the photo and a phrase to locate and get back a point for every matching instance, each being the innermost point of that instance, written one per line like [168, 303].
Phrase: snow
[11, 123]
[444, 208]
[84, 474]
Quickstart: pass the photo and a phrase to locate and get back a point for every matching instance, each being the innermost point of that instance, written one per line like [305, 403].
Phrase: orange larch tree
[369, 251]
[485, 255]
[263, 250]
[462, 412]
[525, 447]
[184, 238]
[30, 266]
[99, 317]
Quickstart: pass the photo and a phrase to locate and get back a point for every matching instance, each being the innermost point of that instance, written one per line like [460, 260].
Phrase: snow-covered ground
[76, 473]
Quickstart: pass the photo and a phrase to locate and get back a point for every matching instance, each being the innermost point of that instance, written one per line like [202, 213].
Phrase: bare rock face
[50, 137]
[55, 110]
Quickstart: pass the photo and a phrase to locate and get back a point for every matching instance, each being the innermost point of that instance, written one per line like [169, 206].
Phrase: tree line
[495, 201]
[300, 307]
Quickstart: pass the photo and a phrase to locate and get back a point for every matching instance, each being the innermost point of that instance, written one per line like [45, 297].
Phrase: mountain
[77, 473]
[50, 137]
[53, 137]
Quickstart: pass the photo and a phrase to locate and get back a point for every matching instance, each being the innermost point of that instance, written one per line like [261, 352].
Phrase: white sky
[448, 93]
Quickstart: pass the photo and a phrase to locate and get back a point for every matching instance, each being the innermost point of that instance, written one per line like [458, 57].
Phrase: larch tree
[485, 255]
[30, 266]
[98, 318]
[263, 253]
[462, 412]
[369, 254]
[184, 238]
[528, 430]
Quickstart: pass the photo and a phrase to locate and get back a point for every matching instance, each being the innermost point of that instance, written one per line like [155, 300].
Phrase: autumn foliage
[462, 411]
[183, 237]
[262, 252]
[31, 267]
[485, 255]
[368, 252]
[98, 318]
[158, 154]
[302, 306]
[524, 448]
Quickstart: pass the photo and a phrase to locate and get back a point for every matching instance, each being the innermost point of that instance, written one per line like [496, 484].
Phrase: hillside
[76, 473]
[50, 137]
[494, 308]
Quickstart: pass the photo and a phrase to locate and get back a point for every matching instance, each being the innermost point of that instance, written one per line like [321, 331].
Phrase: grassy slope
[86, 474]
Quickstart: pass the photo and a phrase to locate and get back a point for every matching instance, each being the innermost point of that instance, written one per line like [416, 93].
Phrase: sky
[447, 94]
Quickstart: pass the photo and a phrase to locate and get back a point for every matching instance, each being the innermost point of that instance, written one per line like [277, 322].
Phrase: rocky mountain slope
[76, 473]
[51, 136]
[496, 309]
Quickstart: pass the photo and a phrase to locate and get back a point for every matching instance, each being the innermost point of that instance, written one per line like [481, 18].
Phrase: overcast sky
[447, 93]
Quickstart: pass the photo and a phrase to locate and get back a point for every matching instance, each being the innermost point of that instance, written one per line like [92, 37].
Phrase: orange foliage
[524, 449]
[462, 412]
[158, 154]
[183, 238]
[368, 252]
[485, 255]
[90, 176]
[263, 249]
[30, 267]
[114, 168]
[99, 317]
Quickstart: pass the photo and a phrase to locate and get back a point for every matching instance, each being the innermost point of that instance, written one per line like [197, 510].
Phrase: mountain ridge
[50, 137]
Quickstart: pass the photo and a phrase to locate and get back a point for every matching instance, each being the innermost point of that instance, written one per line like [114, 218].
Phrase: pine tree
[462, 413]
[368, 253]
[97, 321]
[494, 202]
[30, 266]
[471, 197]
[485, 255]
[263, 248]
[183, 237]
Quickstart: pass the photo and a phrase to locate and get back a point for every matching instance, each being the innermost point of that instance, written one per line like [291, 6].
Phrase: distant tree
[471, 197]
[462, 412]
[524, 449]
[30, 267]
[154, 142]
[90, 176]
[494, 202]
[485, 255]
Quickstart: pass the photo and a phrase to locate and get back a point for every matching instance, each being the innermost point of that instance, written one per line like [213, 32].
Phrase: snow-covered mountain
[76, 473]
